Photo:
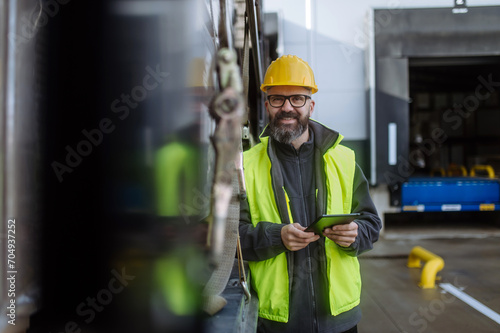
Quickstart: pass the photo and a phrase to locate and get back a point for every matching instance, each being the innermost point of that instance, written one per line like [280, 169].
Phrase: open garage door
[458, 99]
[426, 62]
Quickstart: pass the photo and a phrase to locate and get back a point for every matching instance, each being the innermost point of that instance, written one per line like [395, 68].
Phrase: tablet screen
[327, 221]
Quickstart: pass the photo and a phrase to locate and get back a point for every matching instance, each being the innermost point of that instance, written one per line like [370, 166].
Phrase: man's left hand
[342, 234]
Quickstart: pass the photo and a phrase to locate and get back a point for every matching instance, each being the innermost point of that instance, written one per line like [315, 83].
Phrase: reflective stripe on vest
[270, 277]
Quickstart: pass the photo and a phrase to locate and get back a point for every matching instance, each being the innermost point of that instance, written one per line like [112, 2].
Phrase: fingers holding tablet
[343, 234]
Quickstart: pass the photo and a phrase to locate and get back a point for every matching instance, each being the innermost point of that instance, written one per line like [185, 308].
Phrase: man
[299, 171]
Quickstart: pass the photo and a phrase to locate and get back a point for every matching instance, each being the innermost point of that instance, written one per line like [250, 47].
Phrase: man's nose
[287, 106]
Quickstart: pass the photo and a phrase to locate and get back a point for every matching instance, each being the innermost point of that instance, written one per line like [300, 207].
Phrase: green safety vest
[270, 277]
[176, 177]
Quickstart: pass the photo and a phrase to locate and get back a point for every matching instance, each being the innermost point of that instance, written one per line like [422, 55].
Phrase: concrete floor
[393, 302]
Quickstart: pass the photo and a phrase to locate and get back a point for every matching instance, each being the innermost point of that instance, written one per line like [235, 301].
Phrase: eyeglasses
[297, 101]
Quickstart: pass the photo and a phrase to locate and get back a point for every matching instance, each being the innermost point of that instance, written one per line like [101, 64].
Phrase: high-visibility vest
[269, 278]
[176, 177]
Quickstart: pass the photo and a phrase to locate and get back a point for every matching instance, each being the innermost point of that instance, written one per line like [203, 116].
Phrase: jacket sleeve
[370, 224]
[262, 241]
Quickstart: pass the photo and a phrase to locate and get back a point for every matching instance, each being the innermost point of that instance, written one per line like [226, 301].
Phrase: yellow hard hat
[289, 70]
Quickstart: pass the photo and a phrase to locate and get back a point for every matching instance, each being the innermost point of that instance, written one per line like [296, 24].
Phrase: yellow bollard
[433, 265]
[440, 170]
[488, 168]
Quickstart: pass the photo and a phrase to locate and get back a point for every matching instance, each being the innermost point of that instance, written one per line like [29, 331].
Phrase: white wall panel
[343, 112]
[294, 33]
[293, 14]
[300, 50]
[335, 71]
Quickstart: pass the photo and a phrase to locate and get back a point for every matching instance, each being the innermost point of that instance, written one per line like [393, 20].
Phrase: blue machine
[450, 194]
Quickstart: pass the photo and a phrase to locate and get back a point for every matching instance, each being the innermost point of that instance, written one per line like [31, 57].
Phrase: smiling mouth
[287, 117]
[288, 121]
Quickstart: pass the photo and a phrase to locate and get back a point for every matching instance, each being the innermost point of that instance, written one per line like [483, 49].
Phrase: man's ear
[311, 107]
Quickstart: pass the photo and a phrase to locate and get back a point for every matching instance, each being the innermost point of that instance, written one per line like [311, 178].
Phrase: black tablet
[327, 221]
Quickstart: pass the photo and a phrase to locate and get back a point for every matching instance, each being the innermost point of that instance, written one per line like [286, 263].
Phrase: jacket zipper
[315, 319]
[289, 255]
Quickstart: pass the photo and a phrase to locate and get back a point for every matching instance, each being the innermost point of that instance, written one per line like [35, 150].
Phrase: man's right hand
[294, 237]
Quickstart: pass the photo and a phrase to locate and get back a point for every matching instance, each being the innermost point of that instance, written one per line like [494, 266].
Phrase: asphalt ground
[392, 301]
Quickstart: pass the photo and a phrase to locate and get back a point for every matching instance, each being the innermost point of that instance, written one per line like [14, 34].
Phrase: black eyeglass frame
[288, 98]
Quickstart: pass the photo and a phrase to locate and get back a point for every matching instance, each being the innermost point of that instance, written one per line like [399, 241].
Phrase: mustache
[284, 114]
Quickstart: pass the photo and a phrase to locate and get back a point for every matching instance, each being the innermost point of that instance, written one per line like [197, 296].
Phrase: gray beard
[285, 133]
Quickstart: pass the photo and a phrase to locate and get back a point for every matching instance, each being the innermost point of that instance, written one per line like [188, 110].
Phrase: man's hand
[295, 238]
[342, 234]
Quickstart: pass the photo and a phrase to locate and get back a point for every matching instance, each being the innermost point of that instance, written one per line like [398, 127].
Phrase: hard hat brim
[264, 87]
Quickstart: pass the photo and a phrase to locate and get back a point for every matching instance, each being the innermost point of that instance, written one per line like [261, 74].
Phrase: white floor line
[471, 301]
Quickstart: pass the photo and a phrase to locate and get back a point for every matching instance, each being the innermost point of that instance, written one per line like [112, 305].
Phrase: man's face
[288, 122]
